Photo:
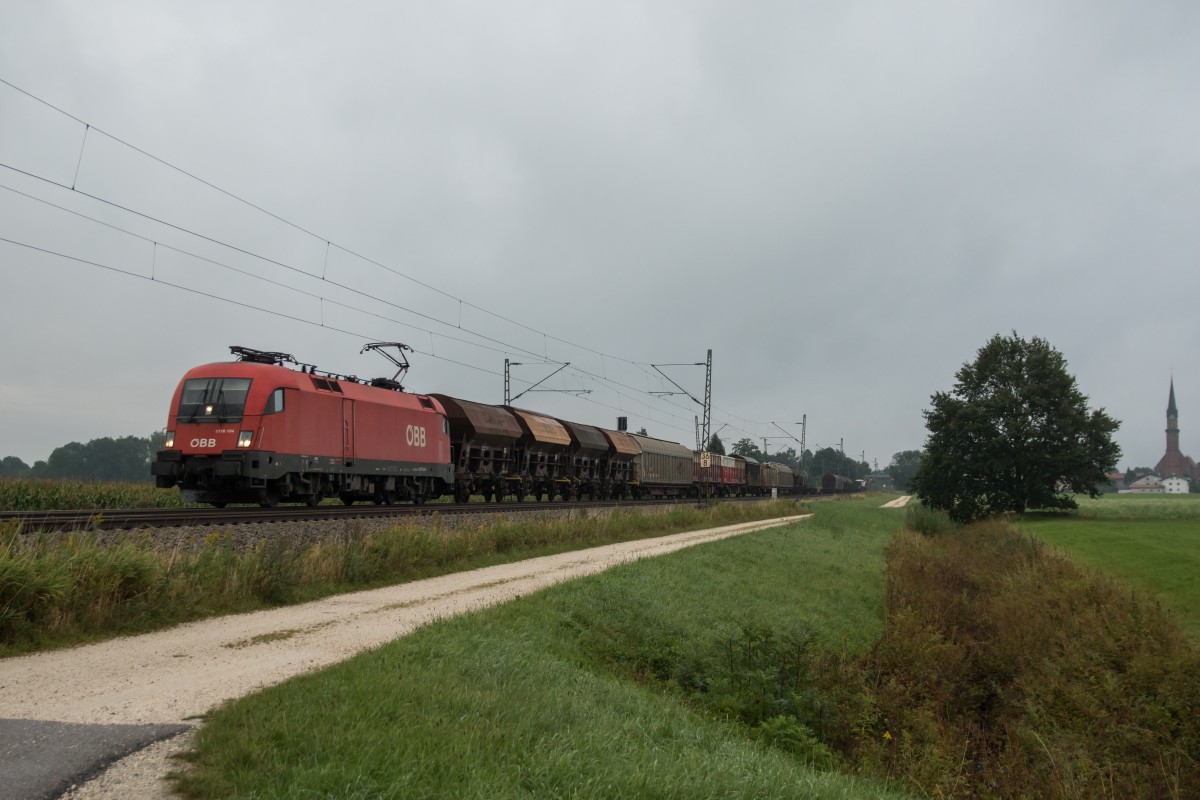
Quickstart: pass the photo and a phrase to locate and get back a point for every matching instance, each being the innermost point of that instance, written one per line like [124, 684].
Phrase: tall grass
[64, 588]
[587, 689]
[1007, 670]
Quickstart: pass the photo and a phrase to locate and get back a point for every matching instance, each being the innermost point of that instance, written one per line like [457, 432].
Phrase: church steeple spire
[1173, 461]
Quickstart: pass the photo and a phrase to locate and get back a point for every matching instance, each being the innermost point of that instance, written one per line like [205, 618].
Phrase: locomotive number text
[204, 442]
[415, 436]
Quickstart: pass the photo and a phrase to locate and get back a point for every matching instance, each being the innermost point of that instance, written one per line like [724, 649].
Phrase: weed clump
[1007, 670]
[929, 521]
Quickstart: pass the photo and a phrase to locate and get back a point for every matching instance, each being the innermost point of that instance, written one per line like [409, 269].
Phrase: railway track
[134, 518]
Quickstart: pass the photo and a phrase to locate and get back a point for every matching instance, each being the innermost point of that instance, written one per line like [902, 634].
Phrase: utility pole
[707, 398]
[803, 437]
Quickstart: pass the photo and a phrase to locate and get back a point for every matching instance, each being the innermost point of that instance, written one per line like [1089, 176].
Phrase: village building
[1176, 485]
[1151, 484]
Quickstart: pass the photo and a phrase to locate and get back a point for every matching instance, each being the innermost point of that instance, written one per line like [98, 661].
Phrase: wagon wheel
[313, 500]
[218, 504]
[269, 498]
[346, 498]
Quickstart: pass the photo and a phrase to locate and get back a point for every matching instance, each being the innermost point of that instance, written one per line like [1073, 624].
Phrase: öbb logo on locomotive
[305, 434]
[414, 435]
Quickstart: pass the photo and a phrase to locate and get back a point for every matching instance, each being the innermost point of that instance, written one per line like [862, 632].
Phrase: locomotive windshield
[213, 399]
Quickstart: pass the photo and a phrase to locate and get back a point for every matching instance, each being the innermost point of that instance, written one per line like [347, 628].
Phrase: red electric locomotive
[254, 430]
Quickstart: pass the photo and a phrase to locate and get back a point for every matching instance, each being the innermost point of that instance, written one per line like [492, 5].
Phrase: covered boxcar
[753, 474]
[663, 468]
[834, 484]
[717, 475]
[778, 477]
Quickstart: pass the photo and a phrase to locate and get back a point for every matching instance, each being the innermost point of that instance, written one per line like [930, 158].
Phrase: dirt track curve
[173, 676]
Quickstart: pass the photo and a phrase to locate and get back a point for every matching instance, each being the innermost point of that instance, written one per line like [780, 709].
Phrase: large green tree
[904, 465]
[1014, 434]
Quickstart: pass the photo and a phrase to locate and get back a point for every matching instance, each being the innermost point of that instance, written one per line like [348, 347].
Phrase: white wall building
[1176, 485]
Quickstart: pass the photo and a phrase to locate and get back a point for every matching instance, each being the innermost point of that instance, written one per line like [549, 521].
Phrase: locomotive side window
[221, 399]
[274, 403]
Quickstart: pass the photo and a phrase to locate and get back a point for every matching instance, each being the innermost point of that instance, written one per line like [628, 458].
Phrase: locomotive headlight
[169, 442]
[244, 438]
[208, 411]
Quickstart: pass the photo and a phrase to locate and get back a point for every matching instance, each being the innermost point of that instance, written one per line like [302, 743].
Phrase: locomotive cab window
[274, 403]
[213, 399]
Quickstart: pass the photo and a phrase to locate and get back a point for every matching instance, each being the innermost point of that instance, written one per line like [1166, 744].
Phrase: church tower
[1173, 461]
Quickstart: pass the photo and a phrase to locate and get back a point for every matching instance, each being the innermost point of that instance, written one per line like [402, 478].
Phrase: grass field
[1151, 542]
[583, 689]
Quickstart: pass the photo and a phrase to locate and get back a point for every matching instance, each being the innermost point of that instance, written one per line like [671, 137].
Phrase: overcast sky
[843, 200]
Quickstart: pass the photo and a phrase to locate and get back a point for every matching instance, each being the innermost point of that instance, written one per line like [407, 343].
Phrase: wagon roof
[622, 442]
[587, 438]
[486, 422]
[661, 446]
[543, 429]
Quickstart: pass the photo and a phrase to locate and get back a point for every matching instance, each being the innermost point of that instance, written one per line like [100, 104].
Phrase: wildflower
[887, 736]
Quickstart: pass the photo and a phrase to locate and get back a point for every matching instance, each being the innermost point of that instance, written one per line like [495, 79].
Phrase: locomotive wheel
[313, 500]
[269, 499]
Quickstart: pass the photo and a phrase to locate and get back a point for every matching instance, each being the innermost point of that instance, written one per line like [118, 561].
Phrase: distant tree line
[125, 459]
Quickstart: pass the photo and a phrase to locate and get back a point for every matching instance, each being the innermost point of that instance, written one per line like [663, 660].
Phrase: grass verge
[590, 688]
[64, 589]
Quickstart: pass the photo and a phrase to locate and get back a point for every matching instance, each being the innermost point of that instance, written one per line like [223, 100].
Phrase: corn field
[22, 494]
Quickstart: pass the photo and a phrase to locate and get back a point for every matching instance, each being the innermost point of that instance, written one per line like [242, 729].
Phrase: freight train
[267, 429]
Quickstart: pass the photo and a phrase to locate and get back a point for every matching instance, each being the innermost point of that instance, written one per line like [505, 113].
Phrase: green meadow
[1152, 542]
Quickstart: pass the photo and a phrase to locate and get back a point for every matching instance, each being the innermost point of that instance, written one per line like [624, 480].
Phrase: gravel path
[899, 502]
[174, 676]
